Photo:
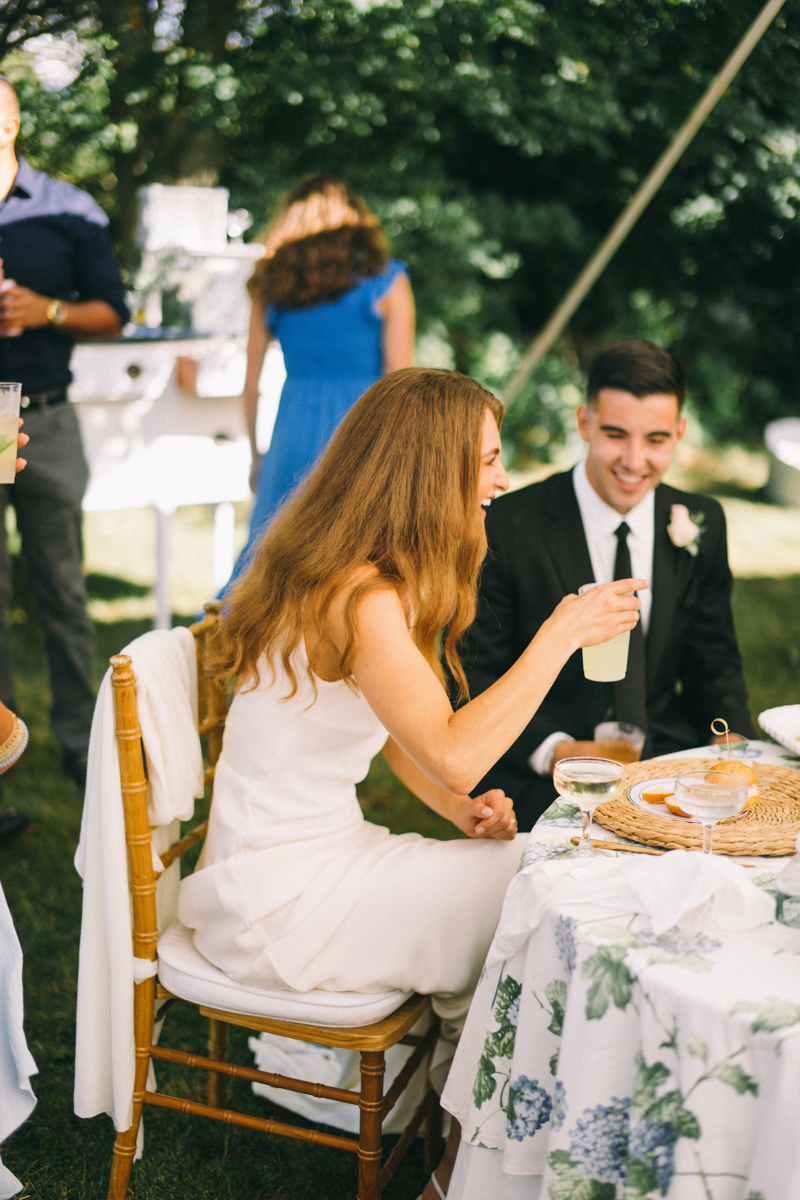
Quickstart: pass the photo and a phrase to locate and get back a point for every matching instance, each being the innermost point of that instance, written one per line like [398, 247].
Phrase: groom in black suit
[609, 518]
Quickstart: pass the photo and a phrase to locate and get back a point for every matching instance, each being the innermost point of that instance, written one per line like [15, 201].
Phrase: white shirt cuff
[541, 761]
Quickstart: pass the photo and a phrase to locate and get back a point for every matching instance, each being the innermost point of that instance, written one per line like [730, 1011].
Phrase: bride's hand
[600, 614]
[488, 816]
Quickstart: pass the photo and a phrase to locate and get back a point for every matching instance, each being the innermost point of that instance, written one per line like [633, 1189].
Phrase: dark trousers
[46, 498]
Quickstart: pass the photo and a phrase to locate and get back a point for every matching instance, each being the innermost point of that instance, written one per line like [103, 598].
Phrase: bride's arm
[489, 816]
[456, 749]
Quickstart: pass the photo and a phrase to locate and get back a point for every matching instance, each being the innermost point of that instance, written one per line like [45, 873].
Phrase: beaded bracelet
[14, 744]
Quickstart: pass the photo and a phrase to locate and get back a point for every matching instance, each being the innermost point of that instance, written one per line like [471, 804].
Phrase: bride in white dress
[332, 635]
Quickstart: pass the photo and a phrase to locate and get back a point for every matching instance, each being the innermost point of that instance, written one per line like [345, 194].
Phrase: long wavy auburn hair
[322, 241]
[397, 487]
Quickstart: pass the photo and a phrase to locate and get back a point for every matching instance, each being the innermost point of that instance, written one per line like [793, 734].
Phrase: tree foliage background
[497, 142]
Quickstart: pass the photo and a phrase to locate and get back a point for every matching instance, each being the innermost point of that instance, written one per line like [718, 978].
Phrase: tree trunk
[206, 25]
[131, 24]
[188, 153]
[168, 148]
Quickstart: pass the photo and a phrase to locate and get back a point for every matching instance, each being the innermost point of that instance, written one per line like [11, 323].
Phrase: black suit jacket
[538, 554]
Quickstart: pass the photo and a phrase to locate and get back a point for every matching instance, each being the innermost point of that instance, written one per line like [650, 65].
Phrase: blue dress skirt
[332, 353]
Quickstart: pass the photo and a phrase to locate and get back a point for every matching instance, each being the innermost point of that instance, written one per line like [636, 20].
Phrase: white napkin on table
[682, 888]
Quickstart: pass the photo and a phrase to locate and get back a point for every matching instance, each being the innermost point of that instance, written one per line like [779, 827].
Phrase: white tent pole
[223, 544]
[164, 516]
[625, 222]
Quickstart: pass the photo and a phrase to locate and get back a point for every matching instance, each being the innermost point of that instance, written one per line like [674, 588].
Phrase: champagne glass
[588, 782]
[710, 796]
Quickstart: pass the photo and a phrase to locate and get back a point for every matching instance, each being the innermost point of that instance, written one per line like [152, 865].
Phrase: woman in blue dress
[343, 313]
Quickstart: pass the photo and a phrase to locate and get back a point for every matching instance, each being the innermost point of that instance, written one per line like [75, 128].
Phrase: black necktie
[630, 692]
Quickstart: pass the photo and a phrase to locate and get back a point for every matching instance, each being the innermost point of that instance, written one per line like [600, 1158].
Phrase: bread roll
[745, 772]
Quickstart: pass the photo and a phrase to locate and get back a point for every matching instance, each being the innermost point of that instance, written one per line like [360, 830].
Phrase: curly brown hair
[322, 241]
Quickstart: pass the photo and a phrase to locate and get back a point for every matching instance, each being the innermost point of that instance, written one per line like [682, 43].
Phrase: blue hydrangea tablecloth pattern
[605, 1062]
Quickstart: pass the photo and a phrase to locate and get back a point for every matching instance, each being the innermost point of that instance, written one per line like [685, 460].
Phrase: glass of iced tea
[10, 396]
[620, 741]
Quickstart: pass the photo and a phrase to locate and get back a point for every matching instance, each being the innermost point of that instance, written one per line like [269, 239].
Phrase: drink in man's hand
[620, 741]
[8, 449]
[619, 750]
[10, 395]
[607, 662]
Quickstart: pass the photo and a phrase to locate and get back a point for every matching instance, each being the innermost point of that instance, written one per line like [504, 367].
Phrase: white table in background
[151, 443]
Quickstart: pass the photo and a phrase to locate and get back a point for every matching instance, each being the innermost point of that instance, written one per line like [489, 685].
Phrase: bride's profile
[334, 637]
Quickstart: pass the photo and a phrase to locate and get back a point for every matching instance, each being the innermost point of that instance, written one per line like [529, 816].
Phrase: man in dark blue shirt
[66, 285]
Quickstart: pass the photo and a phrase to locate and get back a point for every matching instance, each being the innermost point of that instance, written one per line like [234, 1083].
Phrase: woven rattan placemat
[769, 827]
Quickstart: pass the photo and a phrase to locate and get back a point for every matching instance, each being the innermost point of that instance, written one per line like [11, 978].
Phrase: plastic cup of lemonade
[10, 396]
[607, 662]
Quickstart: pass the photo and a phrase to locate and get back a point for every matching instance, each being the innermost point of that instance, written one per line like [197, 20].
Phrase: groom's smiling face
[631, 443]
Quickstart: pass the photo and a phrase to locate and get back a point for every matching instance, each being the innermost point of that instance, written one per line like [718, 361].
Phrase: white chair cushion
[184, 972]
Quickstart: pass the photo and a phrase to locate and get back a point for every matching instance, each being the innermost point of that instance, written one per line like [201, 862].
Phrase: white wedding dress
[297, 890]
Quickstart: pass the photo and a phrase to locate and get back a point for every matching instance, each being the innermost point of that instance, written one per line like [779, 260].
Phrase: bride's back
[289, 764]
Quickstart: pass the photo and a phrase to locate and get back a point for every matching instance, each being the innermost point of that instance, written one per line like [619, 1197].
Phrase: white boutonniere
[685, 529]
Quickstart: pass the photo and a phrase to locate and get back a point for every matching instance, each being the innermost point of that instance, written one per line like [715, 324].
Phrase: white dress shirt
[599, 523]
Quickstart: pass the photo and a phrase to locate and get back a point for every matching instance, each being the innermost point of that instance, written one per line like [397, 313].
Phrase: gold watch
[56, 312]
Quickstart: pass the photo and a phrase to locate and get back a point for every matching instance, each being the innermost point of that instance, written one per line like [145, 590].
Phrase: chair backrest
[212, 709]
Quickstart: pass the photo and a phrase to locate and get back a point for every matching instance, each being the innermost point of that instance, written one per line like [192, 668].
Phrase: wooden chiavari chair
[372, 1039]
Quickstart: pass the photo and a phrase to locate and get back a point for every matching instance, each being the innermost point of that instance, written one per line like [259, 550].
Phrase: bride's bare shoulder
[328, 633]
[352, 582]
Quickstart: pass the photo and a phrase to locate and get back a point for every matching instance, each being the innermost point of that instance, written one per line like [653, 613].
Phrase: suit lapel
[564, 536]
[670, 566]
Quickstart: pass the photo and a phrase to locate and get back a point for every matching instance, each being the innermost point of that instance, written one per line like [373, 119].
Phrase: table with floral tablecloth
[603, 1061]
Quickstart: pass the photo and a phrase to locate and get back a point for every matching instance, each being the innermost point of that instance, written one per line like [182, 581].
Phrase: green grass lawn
[62, 1158]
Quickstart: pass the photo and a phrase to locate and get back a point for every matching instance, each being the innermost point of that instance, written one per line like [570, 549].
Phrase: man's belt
[44, 399]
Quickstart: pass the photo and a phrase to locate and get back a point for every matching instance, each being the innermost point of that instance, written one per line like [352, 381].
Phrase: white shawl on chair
[166, 694]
